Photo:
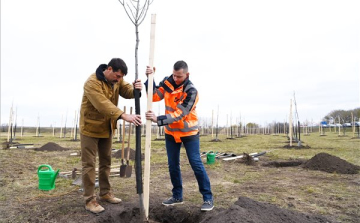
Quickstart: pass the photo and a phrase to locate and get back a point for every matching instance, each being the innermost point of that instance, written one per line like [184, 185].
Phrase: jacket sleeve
[126, 90]
[182, 110]
[92, 90]
[158, 91]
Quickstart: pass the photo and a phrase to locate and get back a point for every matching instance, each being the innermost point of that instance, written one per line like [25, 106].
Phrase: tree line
[345, 115]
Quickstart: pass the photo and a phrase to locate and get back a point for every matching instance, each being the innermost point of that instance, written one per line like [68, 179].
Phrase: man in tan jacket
[98, 116]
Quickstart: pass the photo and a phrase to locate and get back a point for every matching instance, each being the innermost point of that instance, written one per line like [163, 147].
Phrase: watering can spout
[54, 178]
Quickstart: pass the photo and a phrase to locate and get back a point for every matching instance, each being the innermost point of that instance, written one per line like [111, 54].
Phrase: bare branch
[121, 2]
[144, 11]
[135, 8]
[132, 13]
[131, 19]
[132, 10]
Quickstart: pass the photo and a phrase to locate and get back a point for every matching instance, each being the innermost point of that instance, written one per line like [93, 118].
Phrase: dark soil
[328, 163]
[55, 206]
[50, 146]
[295, 146]
[290, 163]
[7, 145]
[248, 210]
[215, 140]
[243, 210]
[247, 159]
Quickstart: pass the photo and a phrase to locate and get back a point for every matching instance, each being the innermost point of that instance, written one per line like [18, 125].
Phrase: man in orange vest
[181, 127]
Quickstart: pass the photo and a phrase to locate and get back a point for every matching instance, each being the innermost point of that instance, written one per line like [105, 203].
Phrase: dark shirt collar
[100, 73]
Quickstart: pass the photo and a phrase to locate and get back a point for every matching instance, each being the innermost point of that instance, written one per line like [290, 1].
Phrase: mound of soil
[50, 146]
[329, 163]
[247, 159]
[248, 210]
[117, 154]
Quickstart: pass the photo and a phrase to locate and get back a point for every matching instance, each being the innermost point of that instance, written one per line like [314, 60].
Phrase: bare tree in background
[136, 11]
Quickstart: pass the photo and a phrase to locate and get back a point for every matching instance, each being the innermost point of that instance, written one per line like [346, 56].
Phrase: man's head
[116, 70]
[180, 72]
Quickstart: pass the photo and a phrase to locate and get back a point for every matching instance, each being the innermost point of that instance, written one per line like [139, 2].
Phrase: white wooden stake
[54, 129]
[22, 128]
[353, 124]
[227, 125]
[290, 124]
[212, 124]
[10, 123]
[37, 128]
[73, 130]
[148, 122]
[61, 126]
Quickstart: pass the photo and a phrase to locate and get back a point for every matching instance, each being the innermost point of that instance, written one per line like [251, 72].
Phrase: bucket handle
[44, 165]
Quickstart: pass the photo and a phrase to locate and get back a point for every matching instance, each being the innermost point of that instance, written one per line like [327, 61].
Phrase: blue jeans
[193, 153]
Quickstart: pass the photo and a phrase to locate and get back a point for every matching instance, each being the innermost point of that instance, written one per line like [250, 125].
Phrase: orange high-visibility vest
[180, 119]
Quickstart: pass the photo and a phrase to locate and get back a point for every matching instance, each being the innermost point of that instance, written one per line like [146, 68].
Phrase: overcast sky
[245, 57]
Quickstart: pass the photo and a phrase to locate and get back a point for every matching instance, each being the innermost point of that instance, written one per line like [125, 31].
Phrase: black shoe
[172, 201]
[207, 206]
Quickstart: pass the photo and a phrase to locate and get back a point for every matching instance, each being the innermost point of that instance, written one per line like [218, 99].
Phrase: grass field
[330, 194]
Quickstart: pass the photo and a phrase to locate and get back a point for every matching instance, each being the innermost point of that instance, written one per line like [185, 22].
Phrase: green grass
[312, 191]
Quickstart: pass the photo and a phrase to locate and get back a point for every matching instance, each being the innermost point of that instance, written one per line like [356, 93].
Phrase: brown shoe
[109, 197]
[94, 207]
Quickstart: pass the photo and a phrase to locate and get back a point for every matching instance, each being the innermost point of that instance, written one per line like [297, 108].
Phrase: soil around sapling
[244, 210]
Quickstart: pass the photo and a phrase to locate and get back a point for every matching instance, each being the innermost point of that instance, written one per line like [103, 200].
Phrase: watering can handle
[44, 165]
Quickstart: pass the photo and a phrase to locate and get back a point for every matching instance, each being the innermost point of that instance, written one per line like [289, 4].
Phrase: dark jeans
[192, 148]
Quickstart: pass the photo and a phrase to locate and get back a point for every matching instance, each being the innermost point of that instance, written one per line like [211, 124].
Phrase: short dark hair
[118, 64]
[181, 65]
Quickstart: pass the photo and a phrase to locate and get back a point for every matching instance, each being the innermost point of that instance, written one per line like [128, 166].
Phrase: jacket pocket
[95, 122]
[94, 116]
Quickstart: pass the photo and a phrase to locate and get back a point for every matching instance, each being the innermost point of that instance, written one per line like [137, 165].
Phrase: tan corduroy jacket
[99, 111]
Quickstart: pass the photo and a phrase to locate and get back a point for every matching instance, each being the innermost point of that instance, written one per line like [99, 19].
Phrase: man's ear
[109, 68]
[187, 74]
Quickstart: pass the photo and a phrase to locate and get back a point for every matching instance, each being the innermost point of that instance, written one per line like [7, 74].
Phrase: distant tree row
[345, 116]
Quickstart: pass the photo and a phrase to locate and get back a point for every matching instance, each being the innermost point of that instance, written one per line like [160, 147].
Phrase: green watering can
[210, 157]
[47, 177]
